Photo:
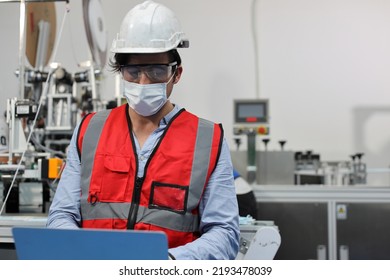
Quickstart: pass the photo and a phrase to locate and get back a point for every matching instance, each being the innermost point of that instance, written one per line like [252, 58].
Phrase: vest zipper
[135, 203]
[132, 218]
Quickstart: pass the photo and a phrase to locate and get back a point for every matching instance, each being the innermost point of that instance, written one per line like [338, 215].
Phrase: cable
[72, 44]
[255, 47]
[46, 149]
[43, 96]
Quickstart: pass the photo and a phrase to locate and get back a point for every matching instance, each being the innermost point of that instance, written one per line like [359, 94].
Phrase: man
[149, 164]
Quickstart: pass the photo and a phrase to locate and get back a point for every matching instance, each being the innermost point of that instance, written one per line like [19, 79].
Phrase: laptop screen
[89, 244]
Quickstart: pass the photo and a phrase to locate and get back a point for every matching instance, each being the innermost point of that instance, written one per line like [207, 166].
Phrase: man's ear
[178, 73]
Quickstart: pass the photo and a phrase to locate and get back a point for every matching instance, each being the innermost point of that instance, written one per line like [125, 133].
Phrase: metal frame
[325, 194]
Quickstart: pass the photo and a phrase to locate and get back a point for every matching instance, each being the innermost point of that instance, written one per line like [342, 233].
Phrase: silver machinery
[251, 118]
[51, 100]
[259, 240]
[311, 170]
[262, 166]
[322, 209]
[257, 164]
[40, 120]
[7, 248]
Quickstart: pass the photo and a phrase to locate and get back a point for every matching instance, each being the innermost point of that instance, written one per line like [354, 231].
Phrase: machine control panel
[251, 116]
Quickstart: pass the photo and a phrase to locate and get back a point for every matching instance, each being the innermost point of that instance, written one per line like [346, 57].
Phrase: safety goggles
[157, 73]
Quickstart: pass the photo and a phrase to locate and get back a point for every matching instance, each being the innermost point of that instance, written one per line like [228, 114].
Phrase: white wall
[324, 65]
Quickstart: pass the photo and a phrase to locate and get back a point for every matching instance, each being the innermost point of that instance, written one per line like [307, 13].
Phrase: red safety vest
[167, 197]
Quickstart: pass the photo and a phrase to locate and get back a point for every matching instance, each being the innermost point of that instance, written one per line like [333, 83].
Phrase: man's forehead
[149, 58]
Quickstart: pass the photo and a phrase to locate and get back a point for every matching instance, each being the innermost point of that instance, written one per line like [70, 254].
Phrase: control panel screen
[251, 111]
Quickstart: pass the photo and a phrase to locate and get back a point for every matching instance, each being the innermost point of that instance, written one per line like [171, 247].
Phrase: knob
[282, 142]
[265, 141]
[359, 156]
[238, 142]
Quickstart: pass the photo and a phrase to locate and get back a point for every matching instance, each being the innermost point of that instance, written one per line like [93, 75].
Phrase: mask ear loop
[174, 74]
[170, 79]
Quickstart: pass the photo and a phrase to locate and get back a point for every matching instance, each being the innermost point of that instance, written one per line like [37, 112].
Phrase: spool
[4, 135]
[95, 31]
[40, 16]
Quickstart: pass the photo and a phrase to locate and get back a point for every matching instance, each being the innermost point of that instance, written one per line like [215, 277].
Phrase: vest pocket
[115, 178]
[169, 197]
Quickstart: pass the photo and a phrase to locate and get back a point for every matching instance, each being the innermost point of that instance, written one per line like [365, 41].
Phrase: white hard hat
[149, 28]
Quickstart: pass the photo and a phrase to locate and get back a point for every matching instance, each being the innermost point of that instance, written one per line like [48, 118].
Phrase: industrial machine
[251, 118]
[7, 246]
[328, 222]
[259, 240]
[311, 170]
[257, 164]
[287, 167]
[323, 209]
[40, 121]
[23, 162]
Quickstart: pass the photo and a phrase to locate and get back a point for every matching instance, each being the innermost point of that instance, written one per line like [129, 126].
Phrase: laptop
[89, 244]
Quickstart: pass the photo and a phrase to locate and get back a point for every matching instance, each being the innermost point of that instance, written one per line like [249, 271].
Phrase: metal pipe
[22, 46]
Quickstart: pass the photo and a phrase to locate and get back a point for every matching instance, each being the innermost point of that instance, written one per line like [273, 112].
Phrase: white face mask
[146, 99]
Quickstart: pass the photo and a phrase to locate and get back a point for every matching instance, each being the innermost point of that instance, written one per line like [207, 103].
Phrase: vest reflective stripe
[112, 210]
[91, 135]
[186, 223]
[202, 150]
[202, 155]
[170, 220]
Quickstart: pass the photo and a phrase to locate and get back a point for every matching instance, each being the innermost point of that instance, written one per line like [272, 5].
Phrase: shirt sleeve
[65, 209]
[219, 222]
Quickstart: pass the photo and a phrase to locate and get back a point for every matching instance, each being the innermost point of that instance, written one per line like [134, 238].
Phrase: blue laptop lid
[89, 244]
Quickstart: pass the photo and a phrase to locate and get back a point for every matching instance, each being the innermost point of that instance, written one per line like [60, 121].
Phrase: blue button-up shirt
[219, 220]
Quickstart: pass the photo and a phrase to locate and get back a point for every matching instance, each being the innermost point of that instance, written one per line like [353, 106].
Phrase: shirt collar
[167, 118]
